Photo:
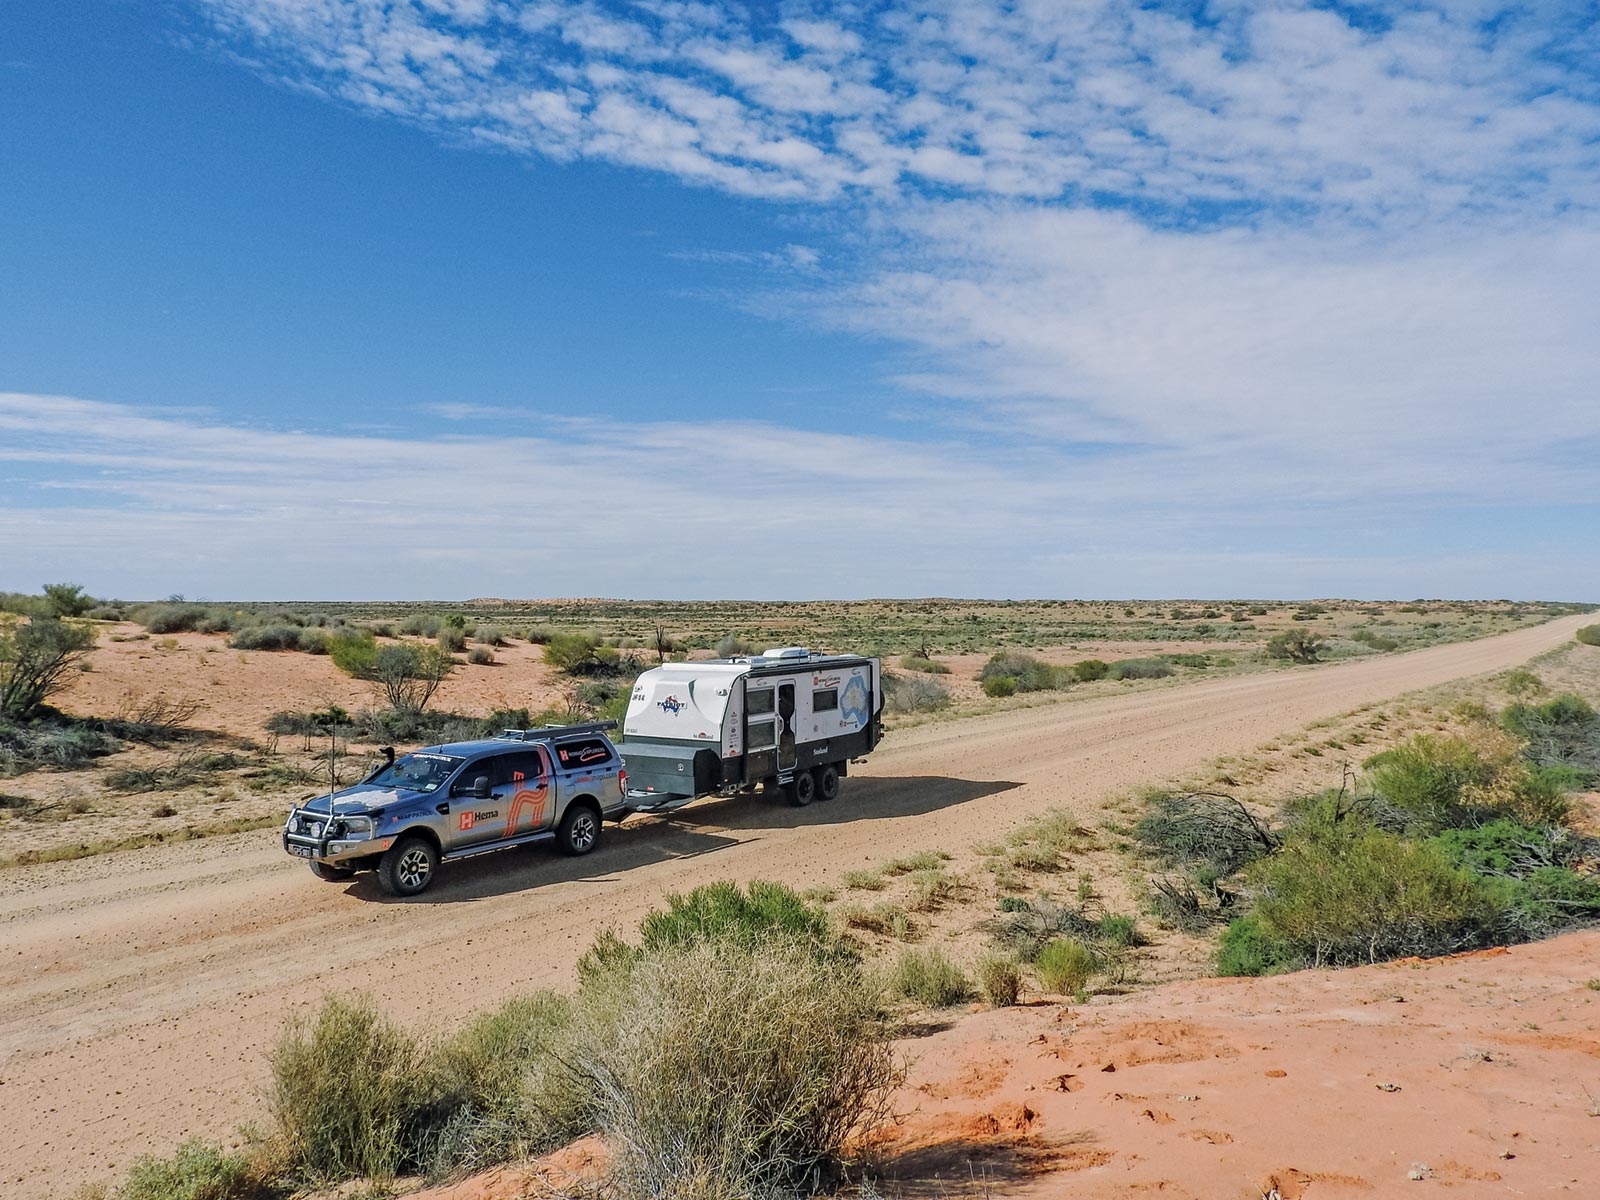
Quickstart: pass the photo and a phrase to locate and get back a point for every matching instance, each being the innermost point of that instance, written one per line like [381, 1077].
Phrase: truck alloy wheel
[803, 790]
[580, 830]
[407, 868]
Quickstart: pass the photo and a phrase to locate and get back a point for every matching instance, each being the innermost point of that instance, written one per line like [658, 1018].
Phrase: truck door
[786, 734]
[760, 734]
[524, 784]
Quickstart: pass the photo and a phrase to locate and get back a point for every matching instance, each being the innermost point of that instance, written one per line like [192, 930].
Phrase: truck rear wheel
[329, 873]
[407, 867]
[803, 790]
[579, 831]
[827, 782]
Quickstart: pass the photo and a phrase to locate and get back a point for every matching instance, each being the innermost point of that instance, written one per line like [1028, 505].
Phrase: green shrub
[913, 694]
[999, 980]
[930, 888]
[925, 975]
[1296, 645]
[732, 646]
[724, 914]
[67, 599]
[1065, 966]
[1028, 674]
[927, 666]
[51, 741]
[578, 653]
[999, 686]
[314, 641]
[421, 625]
[1246, 949]
[481, 656]
[1589, 635]
[1431, 775]
[1202, 833]
[406, 675]
[1117, 930]
[267, 637]
[452, 640]
[922, 860]
[36, 657]
[1089, 670]
[489, 635]
[1140, 668]
[170, 618]
[350, 1094]
[723, 1071]
[197, 1170]
[1349, 893]
[864, 881]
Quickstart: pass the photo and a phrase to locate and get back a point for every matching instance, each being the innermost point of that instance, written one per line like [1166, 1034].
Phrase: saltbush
[926, 976]
[1140, 668]
[1589, 635]
[913, 694]
[1090, 669]
[1027, 674]
[999, 686]
[267, 637]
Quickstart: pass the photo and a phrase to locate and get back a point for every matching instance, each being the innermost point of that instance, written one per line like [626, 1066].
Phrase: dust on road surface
[139, 990]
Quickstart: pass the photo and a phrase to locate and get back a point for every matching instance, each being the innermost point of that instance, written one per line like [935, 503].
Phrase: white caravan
[788, 718]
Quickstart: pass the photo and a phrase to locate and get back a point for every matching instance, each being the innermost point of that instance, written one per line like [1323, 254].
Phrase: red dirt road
[138, 990]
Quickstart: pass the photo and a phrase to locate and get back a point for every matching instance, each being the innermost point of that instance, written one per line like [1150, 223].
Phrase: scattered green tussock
[1089, 670]
[1026, 673]
[1140, 668]
[197, 1170]
[1589, 635]
[926, 976]
[923, 860]
[999, 687]
[1065, 966]
[864, 881]
[926, 666]
[930, 888]
[725, 914]
[999, 980]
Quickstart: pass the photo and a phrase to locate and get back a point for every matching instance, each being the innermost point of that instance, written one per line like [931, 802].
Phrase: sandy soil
[138, 990]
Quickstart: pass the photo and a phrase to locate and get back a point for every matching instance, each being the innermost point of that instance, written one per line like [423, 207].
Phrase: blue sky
[446, 298]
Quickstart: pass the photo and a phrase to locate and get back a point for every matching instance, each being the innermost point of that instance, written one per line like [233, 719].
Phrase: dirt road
[138, 990]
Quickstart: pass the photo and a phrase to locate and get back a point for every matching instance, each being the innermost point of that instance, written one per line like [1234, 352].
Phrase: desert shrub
[731, 646]
[579, 654]
[1115, 929]
[197, 1170]
[314, 641]
[35, 658]
[1350, 893]
[864, 881]
[51, 741]
[1246, 949]
[507, 1085]
[406, 675]
[1089, 670]
[351, 1093]
[1589, 635]
[1432, 775]
[921, 860]
[1140, 668]
[722, 1070]
[1562, 732]
[930, 887]
[925, 975]
[913, 694]
[1208, 835]
[1506, 848]
[489, 635]
[452, 640]
[1065, 966]
[421, 625]
[1376, 641]
[170, 618]
[927, 666]
[1296, 645]
[999, 980]
[722, 913]
[1028, 674]
[267, 637]
[1025, 931]
[67, 599]
[481, 656]
[999, 686]
[107, 612]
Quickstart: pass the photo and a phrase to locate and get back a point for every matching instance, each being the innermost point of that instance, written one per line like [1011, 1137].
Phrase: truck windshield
[416, 772]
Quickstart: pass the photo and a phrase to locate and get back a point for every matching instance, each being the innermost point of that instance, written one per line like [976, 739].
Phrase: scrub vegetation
[737, 1049]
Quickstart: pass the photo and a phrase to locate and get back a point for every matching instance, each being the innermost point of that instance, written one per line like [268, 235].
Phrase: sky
[441, 299]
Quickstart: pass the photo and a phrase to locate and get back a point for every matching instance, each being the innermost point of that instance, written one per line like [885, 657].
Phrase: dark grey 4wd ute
[446, 802]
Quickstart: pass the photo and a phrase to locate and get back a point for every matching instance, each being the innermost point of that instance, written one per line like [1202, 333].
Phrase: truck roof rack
[550, 731]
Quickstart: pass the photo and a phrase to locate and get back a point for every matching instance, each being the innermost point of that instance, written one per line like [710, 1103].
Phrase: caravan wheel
[803, 790]
[827, 782]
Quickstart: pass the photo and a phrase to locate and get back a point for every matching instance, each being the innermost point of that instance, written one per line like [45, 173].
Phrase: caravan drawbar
[789, 718]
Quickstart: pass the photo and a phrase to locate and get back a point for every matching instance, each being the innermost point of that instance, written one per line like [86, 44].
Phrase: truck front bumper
[307, 835]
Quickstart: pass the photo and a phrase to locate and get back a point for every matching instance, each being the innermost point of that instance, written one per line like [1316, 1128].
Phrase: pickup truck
[446, 802]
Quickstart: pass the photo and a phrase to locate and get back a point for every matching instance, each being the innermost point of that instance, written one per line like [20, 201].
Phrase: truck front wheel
[407, 867]
[329, 873]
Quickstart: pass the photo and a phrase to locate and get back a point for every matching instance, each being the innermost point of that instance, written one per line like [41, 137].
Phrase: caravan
[789, 718]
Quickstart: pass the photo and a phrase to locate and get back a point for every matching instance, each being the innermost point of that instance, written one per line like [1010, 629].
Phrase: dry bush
[726, 1071]
[999, 980]
[926, 976]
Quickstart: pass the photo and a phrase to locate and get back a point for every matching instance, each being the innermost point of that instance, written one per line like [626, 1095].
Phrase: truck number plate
[303, 851]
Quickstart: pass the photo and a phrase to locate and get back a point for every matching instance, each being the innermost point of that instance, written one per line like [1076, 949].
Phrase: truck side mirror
[480, 788]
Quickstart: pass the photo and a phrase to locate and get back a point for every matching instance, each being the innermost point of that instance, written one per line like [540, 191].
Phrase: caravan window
[761, 737]
[826, 700]
[758, 704]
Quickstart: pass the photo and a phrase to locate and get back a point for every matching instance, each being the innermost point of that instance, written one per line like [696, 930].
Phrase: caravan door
[760, 732]
[787, 751]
